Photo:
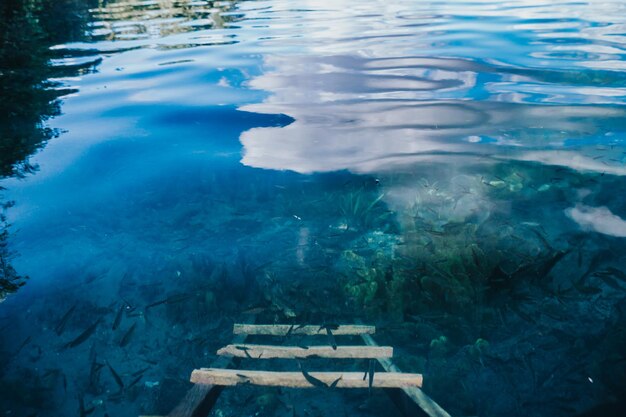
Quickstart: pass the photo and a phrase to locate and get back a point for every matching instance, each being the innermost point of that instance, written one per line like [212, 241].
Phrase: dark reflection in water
[449, 171]
[27, 95]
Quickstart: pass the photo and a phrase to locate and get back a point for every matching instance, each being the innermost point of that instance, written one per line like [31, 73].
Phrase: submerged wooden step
[229, 377]
[311, 330]
[290, 352]
[423, 401]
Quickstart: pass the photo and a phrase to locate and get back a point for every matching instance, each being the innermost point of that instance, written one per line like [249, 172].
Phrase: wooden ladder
[304, 379]
[209, 382]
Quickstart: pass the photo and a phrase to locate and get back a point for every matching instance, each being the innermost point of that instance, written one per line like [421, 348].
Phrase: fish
[246, 380]
[94, 373]
[298, 327]
[334, 383]
[141, 371]
[244, 349]
[610, 281]
[118, 317]
[83, 336]
[127, 336]
[331, 326]
[371, 371]
[24, 343]
[254, 310]
[312, 380]
[616, 273]
[331, 338]
[173, 299]
[289, 331]
[116, 377]
[135, 381]
[63, 322]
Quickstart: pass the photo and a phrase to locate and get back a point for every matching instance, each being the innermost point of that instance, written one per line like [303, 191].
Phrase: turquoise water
[451, 171]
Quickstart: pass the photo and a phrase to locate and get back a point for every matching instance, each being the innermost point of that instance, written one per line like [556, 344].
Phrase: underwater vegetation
[473, 291]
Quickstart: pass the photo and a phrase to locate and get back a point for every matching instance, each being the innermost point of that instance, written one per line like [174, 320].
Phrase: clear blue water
[451, 171]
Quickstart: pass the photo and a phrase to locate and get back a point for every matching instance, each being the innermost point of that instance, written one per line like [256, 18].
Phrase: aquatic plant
[362, 209]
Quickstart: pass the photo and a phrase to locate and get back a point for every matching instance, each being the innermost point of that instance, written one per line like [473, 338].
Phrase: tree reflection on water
[27, 29]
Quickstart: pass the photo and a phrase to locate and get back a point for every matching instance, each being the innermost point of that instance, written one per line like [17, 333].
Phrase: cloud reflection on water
[356, 113]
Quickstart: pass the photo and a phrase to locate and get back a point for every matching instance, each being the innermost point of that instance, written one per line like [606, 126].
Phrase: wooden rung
[270, 352]
[229, 377]
[283, 329]
[423, 401]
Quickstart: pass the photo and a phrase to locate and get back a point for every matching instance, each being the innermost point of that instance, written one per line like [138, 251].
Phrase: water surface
[451, 171]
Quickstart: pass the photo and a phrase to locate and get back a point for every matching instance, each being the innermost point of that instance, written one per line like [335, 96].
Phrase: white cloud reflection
[597, 219]
[350, 116]
[364, 92]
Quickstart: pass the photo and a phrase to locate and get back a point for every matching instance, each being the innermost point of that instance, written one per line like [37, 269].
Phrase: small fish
[134, 381]
[289, 331]
[24, 343]
[331, 338]
[244, 349]
[63, 322]
[371, 372]
[610, 281]
[116, 377]
[127, 336]
[118, 317]
[334, 383]
[312, 380]
[83, 336]
[141, 371]
[171, 300]
[94, 373]
[246, 380]
[298, 327]
[331, 326]
[254, 310]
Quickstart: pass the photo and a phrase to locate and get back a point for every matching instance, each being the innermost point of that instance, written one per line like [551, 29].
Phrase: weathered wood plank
[430, 407]
[229, 377]
[311, 330]
[270, 351]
